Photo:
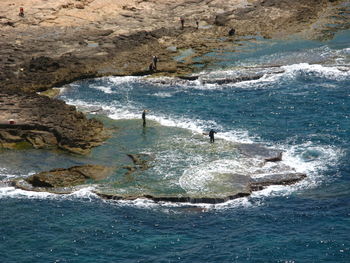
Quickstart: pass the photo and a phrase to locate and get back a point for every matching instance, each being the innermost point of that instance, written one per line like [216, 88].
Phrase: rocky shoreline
[40, 122]
[46, 49]
[51, 45]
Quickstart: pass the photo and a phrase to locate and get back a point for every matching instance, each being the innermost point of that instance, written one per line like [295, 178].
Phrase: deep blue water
[305, 110]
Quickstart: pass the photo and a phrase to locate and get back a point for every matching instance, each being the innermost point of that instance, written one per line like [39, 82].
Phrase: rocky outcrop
[253, 150]
[94, 38]
[141, 161]
[72, 176]
[234, 186]
[276, 179]
[41, 122]
[174, 198]
[223, 188]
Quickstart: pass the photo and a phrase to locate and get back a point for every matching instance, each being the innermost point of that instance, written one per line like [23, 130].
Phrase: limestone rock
[258, 151]
[43, 63]
[46, 123]
[69, 177]
[276, 179]
[141, 161]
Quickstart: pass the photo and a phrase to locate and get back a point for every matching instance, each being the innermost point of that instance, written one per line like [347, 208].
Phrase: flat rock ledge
[232, 190]
[225, 188]
[30, 120]
[63, 181]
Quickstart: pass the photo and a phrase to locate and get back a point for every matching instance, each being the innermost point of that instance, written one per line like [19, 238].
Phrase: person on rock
[151, 67]
[154, 62]
[182, 21]
[21, 12]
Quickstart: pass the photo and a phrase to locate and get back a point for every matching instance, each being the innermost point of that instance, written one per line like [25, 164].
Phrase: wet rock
[141, 161]
[226, 185]
[259, 151]
[174, 198]
[276, 179]
[24, 185]
[229, 80]
[277, 158]
[222, 188]
[73, 176]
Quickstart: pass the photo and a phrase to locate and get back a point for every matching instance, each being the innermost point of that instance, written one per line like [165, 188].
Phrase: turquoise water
[301, 105]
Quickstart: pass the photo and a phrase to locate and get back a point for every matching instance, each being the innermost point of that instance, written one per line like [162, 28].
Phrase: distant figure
[231, 32]
[21, 12]
[154, 62]
[144, 118]
[211, 135]
[182, 20]
[151, 67]
[197, 24]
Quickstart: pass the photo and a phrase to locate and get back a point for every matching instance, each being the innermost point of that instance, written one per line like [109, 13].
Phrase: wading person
[144, 118]
[211, 135]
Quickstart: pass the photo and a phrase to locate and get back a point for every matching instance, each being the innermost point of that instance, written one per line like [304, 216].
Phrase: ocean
[292, 95]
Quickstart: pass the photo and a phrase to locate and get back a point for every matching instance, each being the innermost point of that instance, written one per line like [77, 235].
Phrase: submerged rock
[174, 198]
[223, 188]
[141, 161]
[258, 151]
[276, 179]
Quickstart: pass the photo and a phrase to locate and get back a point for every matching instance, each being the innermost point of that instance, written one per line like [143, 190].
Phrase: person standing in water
[211, 135]
[144, 118]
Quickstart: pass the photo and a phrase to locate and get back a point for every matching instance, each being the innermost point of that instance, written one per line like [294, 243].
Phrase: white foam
[82, 194]
[122, 80]
[86, 192]
[327, 72]
[18, 193]
[334, 73]
[107, 90]
[168, 207]
[163, 94]
[195, 179]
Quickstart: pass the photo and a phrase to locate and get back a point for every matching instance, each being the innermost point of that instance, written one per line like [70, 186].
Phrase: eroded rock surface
[65, 40]
[276, 179]
[72, 176]
[42, 122]
[221, 188]
[259, 151]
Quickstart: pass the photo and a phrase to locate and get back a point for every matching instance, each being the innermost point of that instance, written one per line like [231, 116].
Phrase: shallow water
[301, 105]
